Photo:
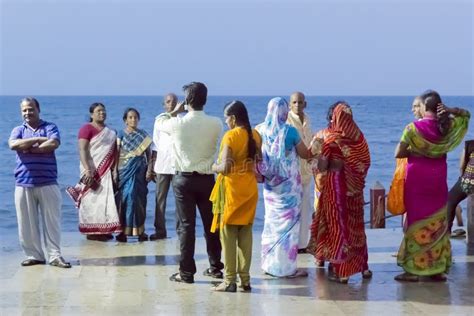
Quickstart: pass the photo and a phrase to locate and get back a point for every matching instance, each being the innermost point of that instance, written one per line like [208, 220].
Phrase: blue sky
[337, 47]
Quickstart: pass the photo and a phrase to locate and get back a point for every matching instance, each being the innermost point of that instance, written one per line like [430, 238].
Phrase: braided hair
[238, 109]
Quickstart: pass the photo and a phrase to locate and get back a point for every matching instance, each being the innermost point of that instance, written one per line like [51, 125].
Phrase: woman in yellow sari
[235, 196]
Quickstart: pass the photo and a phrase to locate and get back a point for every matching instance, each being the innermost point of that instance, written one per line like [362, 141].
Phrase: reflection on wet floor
[111, 278]
[134, 260]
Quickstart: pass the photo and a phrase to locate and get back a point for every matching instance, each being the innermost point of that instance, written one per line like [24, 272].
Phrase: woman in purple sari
[425, 250]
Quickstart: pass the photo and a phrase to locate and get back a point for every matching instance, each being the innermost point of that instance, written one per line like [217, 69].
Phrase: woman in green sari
[425, 250]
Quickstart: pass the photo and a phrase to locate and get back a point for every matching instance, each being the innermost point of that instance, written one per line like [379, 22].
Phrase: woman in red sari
[338, 234]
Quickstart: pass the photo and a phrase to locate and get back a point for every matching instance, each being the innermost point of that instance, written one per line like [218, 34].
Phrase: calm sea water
[381, 118]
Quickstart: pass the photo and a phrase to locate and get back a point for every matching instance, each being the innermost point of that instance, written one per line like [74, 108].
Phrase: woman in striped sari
[425, 250]
[338, 234]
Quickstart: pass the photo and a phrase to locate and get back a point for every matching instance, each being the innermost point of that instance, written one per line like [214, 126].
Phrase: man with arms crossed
[36, 186]
[194, 140]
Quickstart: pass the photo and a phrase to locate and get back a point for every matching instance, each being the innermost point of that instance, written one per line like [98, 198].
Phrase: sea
[381, 118]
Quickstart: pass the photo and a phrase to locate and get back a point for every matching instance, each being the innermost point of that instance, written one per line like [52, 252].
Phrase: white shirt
[304, 129]
[194, 139]
[164, 163]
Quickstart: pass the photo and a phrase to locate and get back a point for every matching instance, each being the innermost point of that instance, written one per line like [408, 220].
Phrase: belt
[190, 173]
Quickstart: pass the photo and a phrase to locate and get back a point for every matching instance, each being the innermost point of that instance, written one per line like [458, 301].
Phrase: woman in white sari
[282, 191]
[94, 194]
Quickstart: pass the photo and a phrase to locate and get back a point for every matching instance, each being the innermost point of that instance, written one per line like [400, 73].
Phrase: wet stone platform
[132, 279]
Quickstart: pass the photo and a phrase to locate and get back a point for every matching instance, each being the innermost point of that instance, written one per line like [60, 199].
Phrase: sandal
[176, 277]
[299, 273]
[407, 277]
[246, 288]
[334, 278]
[457, 233]
[213, 273]
[121, 237]
[143, 237]
[223, 287]
[367, 274]
[330, 267]
[98, 237]
[440, 277]
[319, 263]
[108, 236]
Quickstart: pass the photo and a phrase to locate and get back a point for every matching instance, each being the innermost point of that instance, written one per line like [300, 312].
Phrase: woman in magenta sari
[425, 250]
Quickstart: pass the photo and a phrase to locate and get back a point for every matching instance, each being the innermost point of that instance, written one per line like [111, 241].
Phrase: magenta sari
[426, 189]
[426, 249]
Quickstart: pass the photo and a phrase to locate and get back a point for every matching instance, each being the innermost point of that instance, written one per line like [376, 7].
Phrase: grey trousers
[32, 204]
[163, 182]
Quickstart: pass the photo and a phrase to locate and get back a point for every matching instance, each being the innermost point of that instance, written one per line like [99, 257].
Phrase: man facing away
[301, 121]
[36, 188]
[194, 140]
[162, 158]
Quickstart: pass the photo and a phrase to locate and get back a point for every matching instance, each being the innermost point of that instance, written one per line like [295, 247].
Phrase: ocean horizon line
[224, 95]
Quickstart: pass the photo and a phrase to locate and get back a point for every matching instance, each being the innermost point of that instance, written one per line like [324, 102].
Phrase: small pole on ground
[470, 219]
[377, 206]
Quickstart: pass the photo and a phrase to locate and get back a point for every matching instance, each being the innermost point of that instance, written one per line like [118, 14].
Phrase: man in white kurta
[301, 121]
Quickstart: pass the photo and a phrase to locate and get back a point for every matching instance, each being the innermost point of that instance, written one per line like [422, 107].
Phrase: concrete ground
[132, 279]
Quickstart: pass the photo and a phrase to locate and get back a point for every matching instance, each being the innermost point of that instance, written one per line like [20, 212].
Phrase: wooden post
[377, 206]
[470, 219]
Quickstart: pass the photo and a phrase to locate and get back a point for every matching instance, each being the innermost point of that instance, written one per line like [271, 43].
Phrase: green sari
[424, 147]
[425, 249]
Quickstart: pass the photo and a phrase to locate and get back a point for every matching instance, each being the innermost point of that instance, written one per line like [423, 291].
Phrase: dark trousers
[455, 196]
[163, 182]
[191, 191]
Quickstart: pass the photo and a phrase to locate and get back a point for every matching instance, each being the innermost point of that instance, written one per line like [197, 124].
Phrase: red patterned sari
[338, 233]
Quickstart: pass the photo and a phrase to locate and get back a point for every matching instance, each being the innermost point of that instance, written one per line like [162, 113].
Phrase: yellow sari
[235, 194]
